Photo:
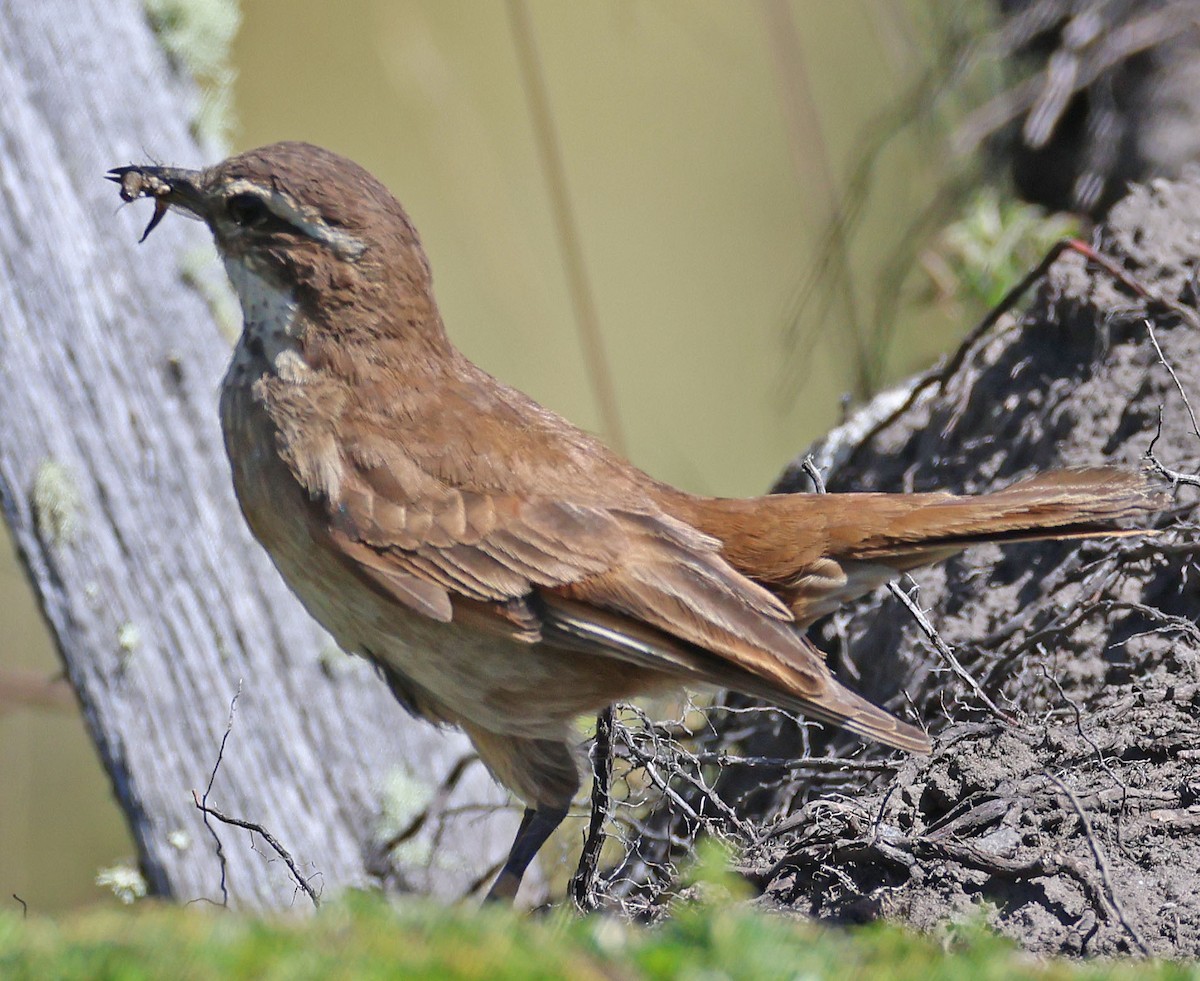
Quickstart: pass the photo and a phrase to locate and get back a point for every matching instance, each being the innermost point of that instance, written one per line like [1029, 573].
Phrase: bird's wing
[492, 548]
[637, 585]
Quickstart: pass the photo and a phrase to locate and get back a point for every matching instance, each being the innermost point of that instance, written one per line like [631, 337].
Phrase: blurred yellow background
[695, 210]
[622, 201]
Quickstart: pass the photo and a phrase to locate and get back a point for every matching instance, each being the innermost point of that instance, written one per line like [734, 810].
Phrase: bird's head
[299, 217]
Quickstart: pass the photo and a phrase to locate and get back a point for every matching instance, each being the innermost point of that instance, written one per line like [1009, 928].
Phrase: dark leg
[536, 826]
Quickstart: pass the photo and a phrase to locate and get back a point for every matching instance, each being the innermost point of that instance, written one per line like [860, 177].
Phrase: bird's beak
[167, 186]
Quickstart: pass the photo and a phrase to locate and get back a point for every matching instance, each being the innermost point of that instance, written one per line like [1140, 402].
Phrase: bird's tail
[817, 551]
[1061, 504]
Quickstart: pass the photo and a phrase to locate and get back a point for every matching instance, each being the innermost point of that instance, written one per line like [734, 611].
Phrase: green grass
[364, 937]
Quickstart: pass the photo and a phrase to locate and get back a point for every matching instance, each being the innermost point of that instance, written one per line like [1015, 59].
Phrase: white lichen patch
[129, 639]
[56, 503]
[403, 796]
[125, 881]
[335, 662]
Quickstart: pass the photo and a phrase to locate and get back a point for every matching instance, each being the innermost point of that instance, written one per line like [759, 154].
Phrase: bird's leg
[536, 826]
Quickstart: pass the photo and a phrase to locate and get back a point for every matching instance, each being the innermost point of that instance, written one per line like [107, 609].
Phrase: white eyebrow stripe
[306, 220]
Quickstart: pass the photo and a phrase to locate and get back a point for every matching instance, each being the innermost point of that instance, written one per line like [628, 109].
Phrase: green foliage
[363, 937]
[996, 241]
[710, 879]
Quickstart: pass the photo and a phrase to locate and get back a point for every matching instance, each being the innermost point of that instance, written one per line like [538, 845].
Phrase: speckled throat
[271, 329]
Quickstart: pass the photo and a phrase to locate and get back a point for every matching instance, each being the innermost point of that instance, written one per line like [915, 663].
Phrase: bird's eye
[247, 210]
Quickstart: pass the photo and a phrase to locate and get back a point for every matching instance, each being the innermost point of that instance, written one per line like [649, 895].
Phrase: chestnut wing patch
[446, 553]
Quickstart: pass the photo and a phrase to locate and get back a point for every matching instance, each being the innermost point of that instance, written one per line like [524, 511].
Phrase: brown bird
[505, 570]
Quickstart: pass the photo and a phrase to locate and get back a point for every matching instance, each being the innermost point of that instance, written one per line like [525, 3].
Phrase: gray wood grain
[114, 481]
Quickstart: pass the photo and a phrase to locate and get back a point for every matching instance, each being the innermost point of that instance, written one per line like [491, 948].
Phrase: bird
[505, 570]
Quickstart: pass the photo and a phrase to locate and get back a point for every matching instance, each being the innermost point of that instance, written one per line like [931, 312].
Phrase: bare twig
[818, 764]
[1176, 477]
[269, 838]
[809, 466]
[203, 807]
[24, 906]
[485, 878]
[1162, 359]
[436, 805]
[1101, 864]
[32, 689]
[207, 790]
[672, 756]
[583, 883]
[946, 652]
[944, 649]
[940, 375]
[1100, 757]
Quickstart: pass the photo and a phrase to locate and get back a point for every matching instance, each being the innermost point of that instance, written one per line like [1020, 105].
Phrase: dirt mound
[1061, 802]
[1077, 836]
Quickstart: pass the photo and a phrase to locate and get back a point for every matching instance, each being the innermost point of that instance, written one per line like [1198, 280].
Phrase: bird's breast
[269, 348]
